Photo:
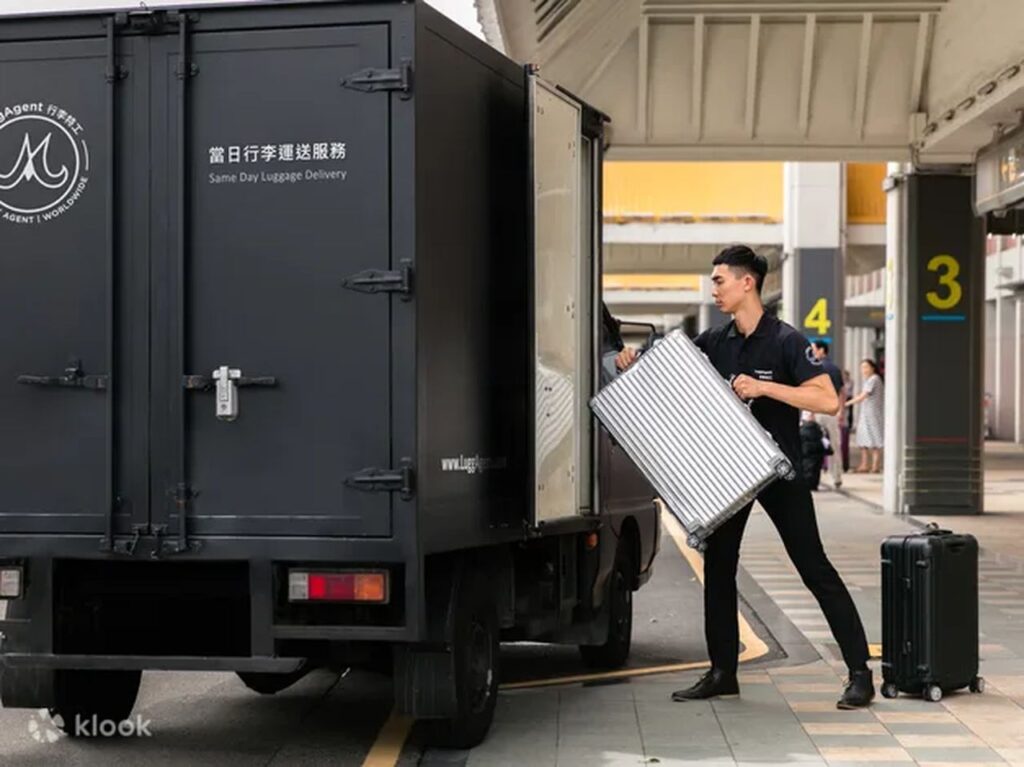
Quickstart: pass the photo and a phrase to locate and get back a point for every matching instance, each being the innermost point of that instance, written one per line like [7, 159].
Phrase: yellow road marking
[753, 646]
[621, 674]
[390, 741]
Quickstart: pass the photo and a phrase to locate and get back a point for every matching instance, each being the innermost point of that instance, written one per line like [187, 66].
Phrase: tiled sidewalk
[787, 714]
[1001, 528]
[963, 728]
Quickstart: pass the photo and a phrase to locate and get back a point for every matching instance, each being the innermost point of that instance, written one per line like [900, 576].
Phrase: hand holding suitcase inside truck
[683, 426]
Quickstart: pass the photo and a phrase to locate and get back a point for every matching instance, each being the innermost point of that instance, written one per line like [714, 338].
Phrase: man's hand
[747, 388]
[625, 358]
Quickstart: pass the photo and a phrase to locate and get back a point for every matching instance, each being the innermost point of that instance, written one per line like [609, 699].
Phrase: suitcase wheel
[889, 690]
[933, 693]
[696, 543]
[977, 684]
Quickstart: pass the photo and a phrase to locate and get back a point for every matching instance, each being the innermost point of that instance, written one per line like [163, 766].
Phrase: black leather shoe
[859, 691]
[713, 684]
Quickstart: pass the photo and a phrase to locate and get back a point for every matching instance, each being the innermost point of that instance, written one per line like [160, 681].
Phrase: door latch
[226, 381]
[227, 392]
[73, 378]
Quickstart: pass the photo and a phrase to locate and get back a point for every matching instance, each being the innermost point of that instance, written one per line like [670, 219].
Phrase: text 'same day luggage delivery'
[695, 441]
[930, 614]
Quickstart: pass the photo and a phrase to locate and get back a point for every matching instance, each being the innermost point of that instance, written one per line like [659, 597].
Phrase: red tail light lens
[304, 586]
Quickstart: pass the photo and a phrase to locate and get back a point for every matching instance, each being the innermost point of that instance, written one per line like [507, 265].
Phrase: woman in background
[870, 422]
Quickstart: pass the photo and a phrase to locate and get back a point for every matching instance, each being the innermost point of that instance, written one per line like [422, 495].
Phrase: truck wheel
[615, 651]
[97, 700]
[268, 683]
[475, 652]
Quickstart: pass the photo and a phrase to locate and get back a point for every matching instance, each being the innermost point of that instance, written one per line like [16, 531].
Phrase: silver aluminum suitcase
[691, 436]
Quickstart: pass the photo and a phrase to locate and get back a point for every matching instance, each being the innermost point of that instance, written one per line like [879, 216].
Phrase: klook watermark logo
[46, 728]
[44, 162]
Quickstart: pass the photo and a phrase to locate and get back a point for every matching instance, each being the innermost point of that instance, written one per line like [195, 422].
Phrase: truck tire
[93, 698]
[615, 651]
[268, 683]
[475, 651]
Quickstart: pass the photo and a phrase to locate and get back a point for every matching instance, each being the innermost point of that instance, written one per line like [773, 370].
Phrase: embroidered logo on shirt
[809, 353]
[764, 375]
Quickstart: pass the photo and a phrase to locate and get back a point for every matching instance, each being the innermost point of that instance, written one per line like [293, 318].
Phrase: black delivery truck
[299, 320]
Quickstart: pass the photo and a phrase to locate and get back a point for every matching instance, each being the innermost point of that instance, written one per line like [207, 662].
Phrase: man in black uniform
[772, 365]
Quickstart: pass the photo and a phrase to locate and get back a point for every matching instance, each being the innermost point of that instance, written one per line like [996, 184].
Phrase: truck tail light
[10, 582]
[370, 587]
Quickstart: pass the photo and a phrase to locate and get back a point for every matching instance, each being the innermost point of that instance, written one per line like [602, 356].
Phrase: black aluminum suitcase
[930, 614]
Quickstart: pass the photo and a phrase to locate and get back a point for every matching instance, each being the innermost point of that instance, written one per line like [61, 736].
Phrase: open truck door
[563, 301]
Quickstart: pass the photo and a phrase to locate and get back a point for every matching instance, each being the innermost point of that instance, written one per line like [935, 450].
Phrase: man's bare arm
[817, 395]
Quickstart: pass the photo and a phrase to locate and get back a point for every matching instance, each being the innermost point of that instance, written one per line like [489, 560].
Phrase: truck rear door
[271, 378]
[72, 453]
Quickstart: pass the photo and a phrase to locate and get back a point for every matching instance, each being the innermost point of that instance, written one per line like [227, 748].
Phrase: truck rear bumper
[189, 614]
[152, 662]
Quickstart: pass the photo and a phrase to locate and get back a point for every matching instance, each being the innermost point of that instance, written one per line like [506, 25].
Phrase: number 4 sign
[817, 318]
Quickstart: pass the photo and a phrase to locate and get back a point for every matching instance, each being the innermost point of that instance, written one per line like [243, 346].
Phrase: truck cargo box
[308, 281]
[327, 204]
[298, 322]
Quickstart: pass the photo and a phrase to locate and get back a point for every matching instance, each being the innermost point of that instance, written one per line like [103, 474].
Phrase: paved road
[212, 719]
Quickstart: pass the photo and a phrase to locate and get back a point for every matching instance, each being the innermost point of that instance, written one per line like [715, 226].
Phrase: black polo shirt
[834, 373]
[775, 352]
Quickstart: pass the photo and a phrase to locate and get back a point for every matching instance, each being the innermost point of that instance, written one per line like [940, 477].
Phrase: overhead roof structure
[931, 80]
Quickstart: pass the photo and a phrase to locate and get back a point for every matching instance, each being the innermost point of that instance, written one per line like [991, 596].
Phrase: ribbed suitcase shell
[930, 611]
[687, 431]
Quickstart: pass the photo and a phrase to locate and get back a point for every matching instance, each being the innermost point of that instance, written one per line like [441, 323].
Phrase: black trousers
[791, 509]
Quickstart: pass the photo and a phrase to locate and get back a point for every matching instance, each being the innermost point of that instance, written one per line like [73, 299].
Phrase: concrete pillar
[813, 288]
[863, 348]
[1006, 340]
[1018, 359]
[852, 356]
[934, 336]
[895, 337]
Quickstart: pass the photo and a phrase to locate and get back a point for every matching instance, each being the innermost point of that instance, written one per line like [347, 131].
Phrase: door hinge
[401, 481]
[181, 494]
[382, 281]
[374, 79]
[152, 21]
[186, 69]
[115, 73]
[127, 548]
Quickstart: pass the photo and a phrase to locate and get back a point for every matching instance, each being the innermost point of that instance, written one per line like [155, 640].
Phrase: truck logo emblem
[44, 163]
[26, 162]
